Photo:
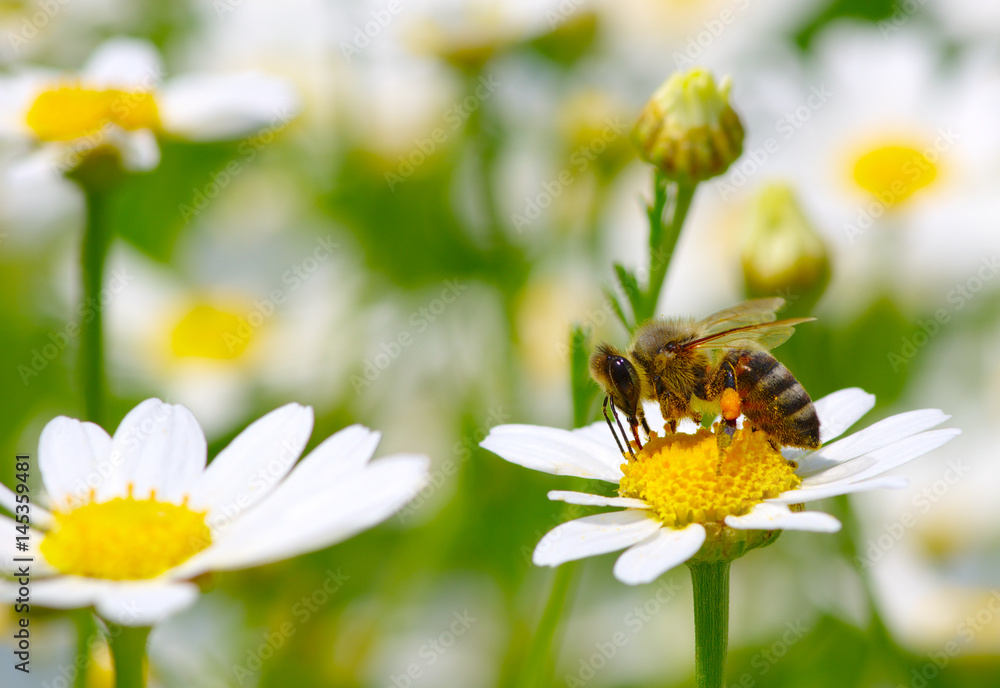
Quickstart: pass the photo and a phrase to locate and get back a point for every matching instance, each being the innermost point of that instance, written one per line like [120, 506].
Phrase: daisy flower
[117, 99]
[215, 339]
[132, 518]
[682, 502]
[899, 138]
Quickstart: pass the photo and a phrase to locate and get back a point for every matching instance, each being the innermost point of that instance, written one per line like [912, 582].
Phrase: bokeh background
[467, 167]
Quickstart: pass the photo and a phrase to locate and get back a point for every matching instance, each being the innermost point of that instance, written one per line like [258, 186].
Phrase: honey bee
[720, 365]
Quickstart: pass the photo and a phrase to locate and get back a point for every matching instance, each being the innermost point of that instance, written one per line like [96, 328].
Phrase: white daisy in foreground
[133, 517]
[682, 502]
[117, 99]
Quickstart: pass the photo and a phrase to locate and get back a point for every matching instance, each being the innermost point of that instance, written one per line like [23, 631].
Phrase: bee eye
[626, 382]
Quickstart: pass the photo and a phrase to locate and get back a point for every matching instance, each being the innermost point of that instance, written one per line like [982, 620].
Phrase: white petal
[71, 456]
[64, 592]
[840, 410]
[599, 433]
[592, 535]
[292, 522]
[44, 165]
[37, 515]
[876, 436]
[555, 451]
[124, 63]
[139, 150]
[766, 516]
[133, 603]
[667, 548]
[9, 554]
[18, 93]
[811, 494]
[343, 453]
[252, 464]
[586, 499]
[204, 107]
[884, 459]
[158, 447]
[323, 475]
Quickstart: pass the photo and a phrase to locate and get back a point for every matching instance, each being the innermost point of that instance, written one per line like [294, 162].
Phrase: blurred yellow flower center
[124, 538]
[65, 113]
[894, 173]
[210, 332]
[683, 480]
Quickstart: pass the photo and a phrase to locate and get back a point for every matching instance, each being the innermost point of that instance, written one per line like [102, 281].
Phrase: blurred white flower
[119, 99]
[657, 37]
[962, 19]
[893, 151]
[223, 335]
[753, 491]
[132, 518]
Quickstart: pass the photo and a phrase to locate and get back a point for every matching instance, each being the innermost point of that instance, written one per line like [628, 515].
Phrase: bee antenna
[620, 427]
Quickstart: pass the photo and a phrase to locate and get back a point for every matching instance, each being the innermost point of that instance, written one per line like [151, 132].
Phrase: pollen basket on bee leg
[731, 406]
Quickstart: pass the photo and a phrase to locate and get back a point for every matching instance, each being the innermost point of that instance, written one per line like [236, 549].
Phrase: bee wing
[748, 313]
[765, 335]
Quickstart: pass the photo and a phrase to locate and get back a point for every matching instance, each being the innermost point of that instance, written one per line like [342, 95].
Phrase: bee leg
[645, 425]
[611, 427]
[620, 427]
[731, 409]
[730, 402]
[635, 433]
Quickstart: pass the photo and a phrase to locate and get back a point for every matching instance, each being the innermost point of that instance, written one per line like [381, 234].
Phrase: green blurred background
[479, 151]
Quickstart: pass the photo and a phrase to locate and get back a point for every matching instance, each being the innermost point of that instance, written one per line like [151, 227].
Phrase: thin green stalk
[485, 136]
[540, 662]
[94, 253]
[663, 236]
[582, 387]
[86, 629]
[848, 538]
[128, 654]
[711, 622]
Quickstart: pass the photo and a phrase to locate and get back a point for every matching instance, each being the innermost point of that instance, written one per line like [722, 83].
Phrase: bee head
[617, 377]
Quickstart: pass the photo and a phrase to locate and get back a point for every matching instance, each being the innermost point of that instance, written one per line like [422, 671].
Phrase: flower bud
[782, 253]
[688, 129]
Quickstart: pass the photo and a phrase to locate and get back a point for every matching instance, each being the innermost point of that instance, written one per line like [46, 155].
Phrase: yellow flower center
[684, 480]
[66, 112]
[124, 538]
[894, 173]
[210, 332]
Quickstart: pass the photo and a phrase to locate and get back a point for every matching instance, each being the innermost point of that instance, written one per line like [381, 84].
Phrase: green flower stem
[94, 253]
[543, 651]
[582, 387]
[128, 654]
[663, 236]
[848, 538]
[711, 622]
[86, 630]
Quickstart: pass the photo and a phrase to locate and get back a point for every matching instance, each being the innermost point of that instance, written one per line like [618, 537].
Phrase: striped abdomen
[773, 400]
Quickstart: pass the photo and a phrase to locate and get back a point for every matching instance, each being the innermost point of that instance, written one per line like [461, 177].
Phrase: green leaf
[630, 285]
[583, 388]
[617, 307]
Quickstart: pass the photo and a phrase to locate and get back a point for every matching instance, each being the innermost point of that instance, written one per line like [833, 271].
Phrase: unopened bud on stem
[688, 129]
[782, 252]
